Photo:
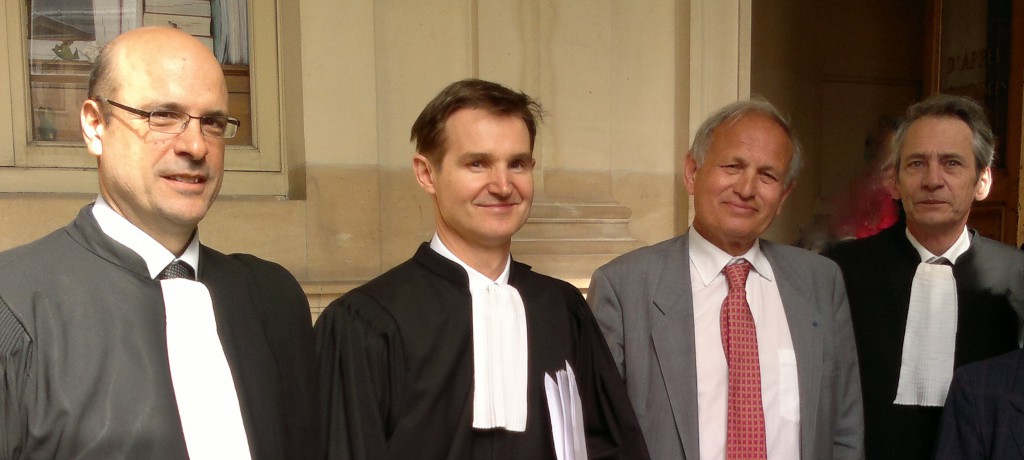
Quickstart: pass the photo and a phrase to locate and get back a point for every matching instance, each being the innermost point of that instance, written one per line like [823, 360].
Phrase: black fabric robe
[879, 272]
[396, 359]
[83, 355]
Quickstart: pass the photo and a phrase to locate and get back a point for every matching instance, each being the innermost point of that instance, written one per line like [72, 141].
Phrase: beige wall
[614, 77]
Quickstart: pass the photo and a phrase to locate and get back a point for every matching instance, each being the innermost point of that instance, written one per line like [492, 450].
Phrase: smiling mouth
[187, 179]
[741, 207]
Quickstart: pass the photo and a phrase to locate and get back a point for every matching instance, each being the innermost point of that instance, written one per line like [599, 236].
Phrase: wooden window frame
[30, 166]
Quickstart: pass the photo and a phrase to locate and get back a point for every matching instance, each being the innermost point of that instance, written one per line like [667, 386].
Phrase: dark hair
[959, 107]
[732, 113]
[429, 129]
[101, 79]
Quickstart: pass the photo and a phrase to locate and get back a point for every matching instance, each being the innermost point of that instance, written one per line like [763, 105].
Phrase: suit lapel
[804, 328]
[675, 351]
[243, 336]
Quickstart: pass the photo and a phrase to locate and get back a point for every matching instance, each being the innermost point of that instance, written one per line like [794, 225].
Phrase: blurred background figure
[869, 207]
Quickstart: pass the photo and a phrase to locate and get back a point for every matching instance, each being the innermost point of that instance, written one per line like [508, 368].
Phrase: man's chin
[188, 216]
[936, 222]
[497, 239]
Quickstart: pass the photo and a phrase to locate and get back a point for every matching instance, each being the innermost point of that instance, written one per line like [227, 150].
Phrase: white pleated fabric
[203, 387]
[929, 342]
[499, 347]
[499, 358]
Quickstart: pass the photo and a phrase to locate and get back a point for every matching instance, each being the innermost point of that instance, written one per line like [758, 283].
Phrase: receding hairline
[136, 47]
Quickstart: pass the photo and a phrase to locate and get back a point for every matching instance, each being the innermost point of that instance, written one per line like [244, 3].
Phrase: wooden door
[976, 48]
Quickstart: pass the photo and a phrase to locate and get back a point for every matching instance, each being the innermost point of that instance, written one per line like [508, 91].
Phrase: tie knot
[736, 275]
[177, 269]
[939, 261]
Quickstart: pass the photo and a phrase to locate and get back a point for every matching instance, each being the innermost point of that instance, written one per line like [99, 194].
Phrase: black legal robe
[396, 363]
[83, 352]
[879, 272]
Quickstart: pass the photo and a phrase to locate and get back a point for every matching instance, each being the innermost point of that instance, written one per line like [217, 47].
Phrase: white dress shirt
[959, 247]
[780, 393]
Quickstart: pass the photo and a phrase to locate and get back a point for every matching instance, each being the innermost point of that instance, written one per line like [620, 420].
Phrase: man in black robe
[445, 356]
[932, 295]
[121, 336]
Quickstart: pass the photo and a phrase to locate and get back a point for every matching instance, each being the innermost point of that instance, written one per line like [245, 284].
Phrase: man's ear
[689, 172]
[424, 171]
[984, 184]
[93, 126]
[894, 190]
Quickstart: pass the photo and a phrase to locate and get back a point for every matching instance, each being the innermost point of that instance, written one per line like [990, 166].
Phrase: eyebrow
[948, 155]
[478, 156]
[941, 156]
[740, 160]
[522, 156]
[176, 107]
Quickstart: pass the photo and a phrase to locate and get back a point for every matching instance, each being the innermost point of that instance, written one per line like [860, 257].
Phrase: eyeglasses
[172, 122]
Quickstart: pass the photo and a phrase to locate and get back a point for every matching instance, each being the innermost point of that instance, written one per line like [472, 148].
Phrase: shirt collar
[152, 252]
[962, 244]
[477, 280]
[709, 260]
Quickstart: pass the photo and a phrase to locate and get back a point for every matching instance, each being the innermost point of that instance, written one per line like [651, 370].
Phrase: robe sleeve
[612, 429]
[360, 376]
[15, 349]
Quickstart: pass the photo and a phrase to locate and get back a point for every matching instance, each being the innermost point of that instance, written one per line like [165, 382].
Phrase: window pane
[66, 35]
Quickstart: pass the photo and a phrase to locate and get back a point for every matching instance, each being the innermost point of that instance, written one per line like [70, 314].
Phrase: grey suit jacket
[644, 304]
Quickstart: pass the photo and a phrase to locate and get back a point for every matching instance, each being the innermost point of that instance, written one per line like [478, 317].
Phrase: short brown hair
[429, 129]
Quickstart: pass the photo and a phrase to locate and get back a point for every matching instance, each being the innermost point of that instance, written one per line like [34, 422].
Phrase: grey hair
[961, 108]
[732, 113]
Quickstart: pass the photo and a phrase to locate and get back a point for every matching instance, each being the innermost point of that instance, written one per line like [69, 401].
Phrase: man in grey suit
[679, 346]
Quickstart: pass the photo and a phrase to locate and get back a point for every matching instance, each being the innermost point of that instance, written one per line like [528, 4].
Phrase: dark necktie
[745, 436]
[177, 269]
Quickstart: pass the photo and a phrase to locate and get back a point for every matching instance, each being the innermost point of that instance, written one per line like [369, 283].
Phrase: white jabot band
[929, 342]
[499, 347]
[499, 358]
[930, 339]
[205, 392]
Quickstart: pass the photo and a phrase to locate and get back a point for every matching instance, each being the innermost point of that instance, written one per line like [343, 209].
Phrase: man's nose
[192, 141]
[933, 176]
[746, 184]
[501, 182]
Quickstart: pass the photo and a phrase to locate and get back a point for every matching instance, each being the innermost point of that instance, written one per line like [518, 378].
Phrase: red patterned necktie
[745, 438]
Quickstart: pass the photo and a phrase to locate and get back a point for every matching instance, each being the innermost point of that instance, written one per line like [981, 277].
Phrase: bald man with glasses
[121, 336]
